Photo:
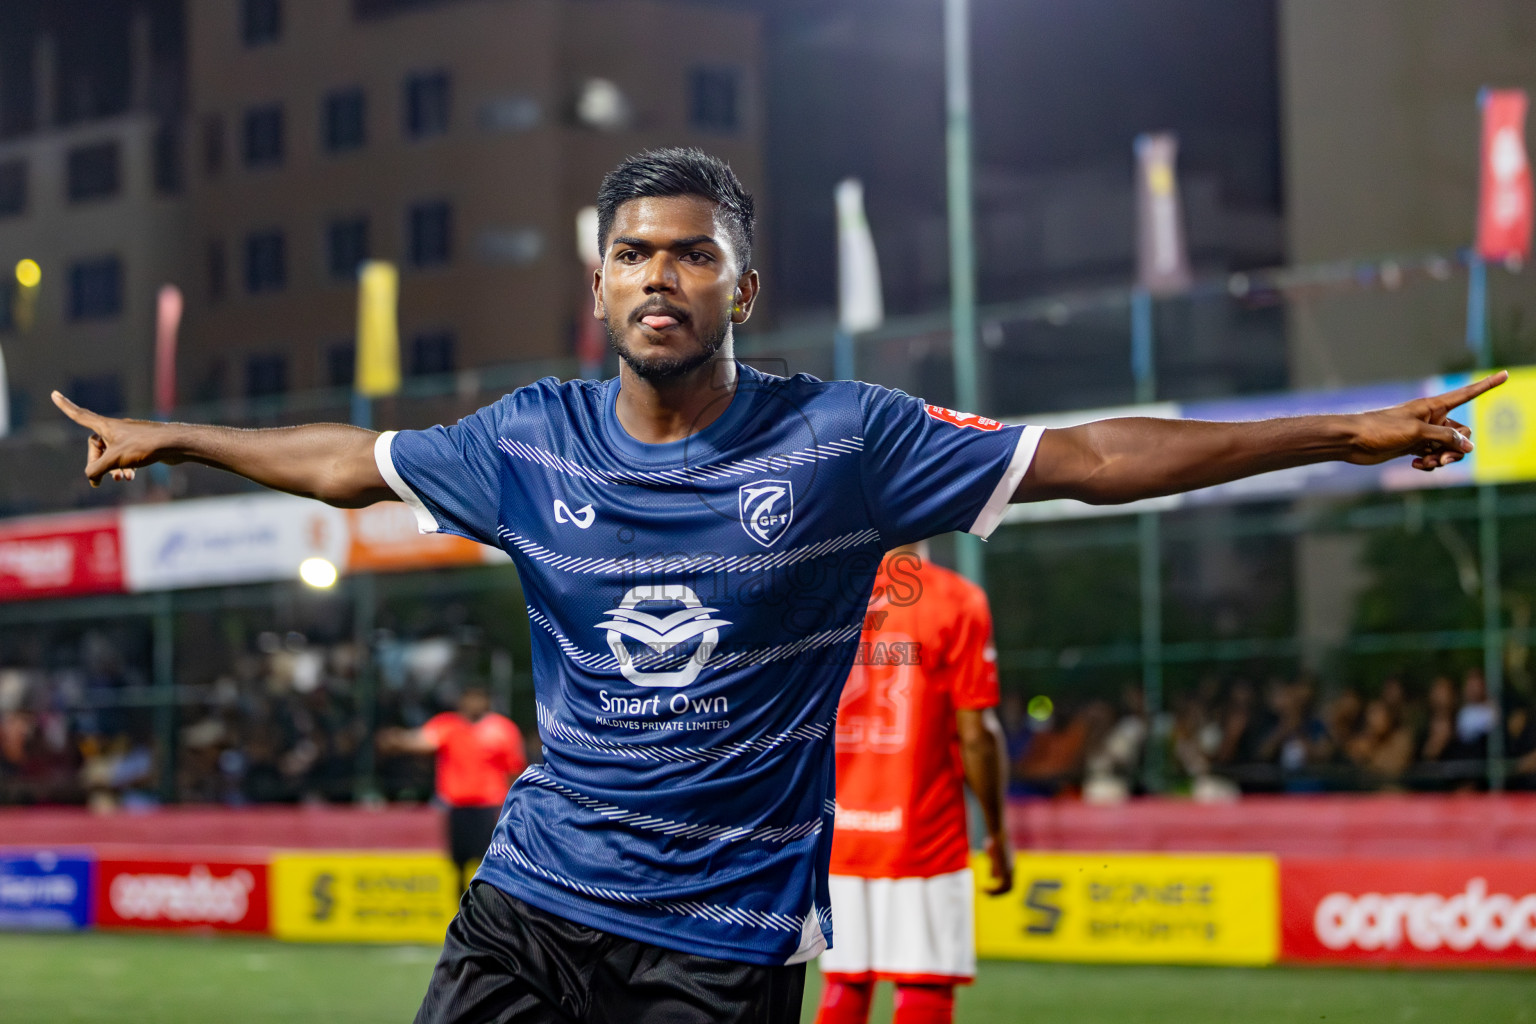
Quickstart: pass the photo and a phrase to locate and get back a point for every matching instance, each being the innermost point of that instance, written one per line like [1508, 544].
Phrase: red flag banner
[1504, 212]
[168, 307]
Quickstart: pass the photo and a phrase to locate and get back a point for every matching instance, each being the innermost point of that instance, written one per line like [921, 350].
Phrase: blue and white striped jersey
[695, 608]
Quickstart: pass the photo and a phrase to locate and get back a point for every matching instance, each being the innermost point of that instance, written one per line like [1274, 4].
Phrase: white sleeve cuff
[425, 522]
[1023, 454]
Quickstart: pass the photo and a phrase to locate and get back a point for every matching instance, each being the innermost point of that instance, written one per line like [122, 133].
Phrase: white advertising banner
[220, 541]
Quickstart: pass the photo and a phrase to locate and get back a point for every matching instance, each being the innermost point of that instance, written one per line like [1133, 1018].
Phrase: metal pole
[365, 600]
[1143, 364]
[843, 362]
[364, 614]
[962, 244]
[1481, 344]
[1493, 626]
[1149, 547]
[164, 659]
[1477, 311]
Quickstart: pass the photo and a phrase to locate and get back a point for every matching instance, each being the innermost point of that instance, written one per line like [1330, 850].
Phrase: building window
[341, 364]
[427, 104]
[264, 136]
[345, 120]
[213, 145]
[261, 21]
[101, 393]
[218, 270]
[266, 375]
[346, 245]
[431, 234]
[265, 262]
[96, 289]
[92, 172]
[168, 179]
[432, 352]
[13, 188]
[713, 97]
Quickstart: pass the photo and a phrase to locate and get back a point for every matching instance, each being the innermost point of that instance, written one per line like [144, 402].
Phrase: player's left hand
[1421, 428]
[1001, 856]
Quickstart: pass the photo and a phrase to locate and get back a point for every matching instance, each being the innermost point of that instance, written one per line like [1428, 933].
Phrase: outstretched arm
[1113, 461]
[329, 461]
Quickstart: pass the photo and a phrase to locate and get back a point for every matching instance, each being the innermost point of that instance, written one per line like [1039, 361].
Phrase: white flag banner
[860, 306]
[1162, 256]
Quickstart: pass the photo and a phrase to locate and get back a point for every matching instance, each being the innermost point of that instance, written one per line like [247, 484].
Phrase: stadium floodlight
[601, 104]
[319, 573]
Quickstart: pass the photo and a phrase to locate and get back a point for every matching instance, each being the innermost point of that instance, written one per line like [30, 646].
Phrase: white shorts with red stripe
[913, 930]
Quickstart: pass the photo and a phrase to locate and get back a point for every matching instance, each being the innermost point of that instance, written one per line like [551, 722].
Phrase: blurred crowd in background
[284, 723]
[1231, 736]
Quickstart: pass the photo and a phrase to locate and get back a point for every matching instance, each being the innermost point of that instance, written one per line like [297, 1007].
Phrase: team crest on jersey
[963, 419]
[767, 508]
[664, 631]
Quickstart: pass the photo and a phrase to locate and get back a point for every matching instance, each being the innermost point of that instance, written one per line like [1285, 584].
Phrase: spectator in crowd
[1476, 718]
[1052, 763]
[1241, 727]
[1296, 738]
[1440, 727]
[1342, 722]
[1114, 763]
[1520, 746]
[1383, 749]
[1395, 697]
[1013, 714]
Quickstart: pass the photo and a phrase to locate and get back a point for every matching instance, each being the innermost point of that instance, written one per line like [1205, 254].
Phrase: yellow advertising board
[1504, 429]
[1133, 908]
[362, 897]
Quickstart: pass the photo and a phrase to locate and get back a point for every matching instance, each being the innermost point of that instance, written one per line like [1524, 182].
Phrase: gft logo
[767, 508]
[663, 632]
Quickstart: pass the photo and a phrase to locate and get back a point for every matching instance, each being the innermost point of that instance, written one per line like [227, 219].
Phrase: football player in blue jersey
[698, 541]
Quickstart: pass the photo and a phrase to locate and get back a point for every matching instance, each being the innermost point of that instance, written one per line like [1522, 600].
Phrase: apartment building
[97, 205]
[457, 138]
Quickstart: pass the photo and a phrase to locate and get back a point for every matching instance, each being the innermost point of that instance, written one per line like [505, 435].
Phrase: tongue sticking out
[659, 322]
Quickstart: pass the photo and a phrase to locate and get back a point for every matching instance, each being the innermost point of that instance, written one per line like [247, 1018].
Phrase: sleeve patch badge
[963, 419]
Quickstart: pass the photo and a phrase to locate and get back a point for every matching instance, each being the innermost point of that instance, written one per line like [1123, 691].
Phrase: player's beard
[663, 368]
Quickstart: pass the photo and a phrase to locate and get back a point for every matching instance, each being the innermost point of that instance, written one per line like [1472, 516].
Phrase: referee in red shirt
[479, 753]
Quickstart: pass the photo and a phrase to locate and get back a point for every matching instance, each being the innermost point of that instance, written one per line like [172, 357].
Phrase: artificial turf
[120, 978]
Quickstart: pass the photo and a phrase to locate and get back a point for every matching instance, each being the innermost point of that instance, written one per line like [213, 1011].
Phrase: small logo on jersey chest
[767, 508]
[582, 517]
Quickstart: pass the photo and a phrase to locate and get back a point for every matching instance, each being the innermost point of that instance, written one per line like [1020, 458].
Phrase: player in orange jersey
[479, 753]
[916, 723]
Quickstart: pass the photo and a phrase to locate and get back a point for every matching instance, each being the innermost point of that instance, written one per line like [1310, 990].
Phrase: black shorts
[469, 832]
[505, 962]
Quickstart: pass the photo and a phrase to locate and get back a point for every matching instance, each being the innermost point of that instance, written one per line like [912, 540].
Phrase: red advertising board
[1425, 912]
[182, 893]
[61, 555]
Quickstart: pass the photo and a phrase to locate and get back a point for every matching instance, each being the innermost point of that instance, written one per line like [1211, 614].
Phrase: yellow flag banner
[378, 330]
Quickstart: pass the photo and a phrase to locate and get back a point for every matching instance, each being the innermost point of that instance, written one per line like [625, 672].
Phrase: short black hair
[663, 173]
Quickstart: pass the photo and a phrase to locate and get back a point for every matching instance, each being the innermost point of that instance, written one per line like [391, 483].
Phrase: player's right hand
[116, 447]
[1001, 857]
